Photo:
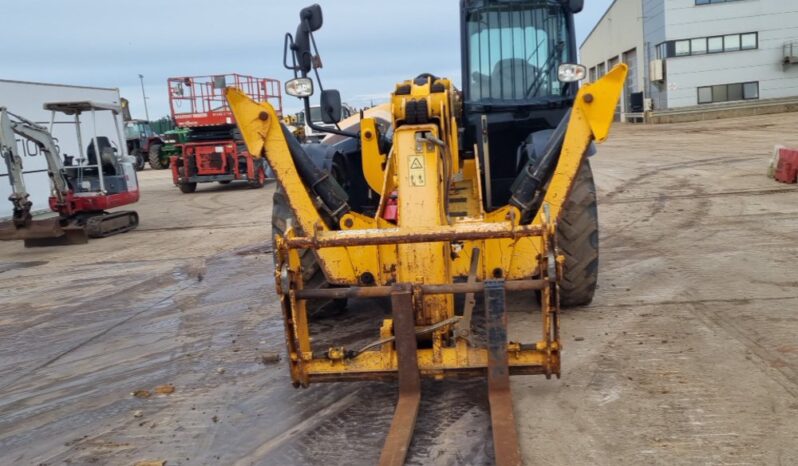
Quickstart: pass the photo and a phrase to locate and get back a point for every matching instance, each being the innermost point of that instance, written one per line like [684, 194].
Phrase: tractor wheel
[312, 274]
[139, 163]
[578, 240]
[155, 157]
[188, 188]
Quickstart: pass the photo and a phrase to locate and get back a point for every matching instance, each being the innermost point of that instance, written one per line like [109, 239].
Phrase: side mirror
[310, 20]
[331, 107]
[301, 48]
[312, 15]
[574, 5]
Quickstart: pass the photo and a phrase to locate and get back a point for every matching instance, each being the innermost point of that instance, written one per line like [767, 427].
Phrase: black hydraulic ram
[332, 195]
[528, 189]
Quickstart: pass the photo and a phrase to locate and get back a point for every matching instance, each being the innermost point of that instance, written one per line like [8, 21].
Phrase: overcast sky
[366, 46]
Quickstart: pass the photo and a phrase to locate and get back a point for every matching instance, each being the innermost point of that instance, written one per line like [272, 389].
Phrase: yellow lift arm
[440, 236]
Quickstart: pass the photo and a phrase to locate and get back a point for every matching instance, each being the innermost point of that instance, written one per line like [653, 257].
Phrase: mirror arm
[297, 68]
[289, 45]
[338, 131]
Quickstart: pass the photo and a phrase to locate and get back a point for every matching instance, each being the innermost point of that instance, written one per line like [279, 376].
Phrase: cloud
[367, 46]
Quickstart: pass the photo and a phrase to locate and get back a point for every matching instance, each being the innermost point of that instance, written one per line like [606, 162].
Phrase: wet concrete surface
[687, 356]
[206, 338]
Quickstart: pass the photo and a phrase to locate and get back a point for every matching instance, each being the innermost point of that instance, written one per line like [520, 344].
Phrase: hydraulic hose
[332, 195]
[528, 187]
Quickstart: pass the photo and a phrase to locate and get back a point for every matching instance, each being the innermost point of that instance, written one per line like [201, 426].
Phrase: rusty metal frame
[385, 291]
[460, 360]
[400, 435]
[505, 435]
[392, 236]
[400, 358]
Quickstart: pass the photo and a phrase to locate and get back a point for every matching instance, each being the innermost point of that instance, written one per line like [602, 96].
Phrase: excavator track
[111, 223]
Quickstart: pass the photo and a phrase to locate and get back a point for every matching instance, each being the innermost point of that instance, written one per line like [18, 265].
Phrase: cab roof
[72, 108]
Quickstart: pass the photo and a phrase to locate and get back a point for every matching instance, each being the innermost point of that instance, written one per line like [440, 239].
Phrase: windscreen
[515, 50]
[132, 131]
[315, 115]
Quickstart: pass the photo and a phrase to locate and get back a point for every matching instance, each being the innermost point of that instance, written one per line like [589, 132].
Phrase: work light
[569, 73]
[299, 87]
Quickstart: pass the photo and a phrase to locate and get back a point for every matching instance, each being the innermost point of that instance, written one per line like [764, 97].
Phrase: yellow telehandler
[440, 193]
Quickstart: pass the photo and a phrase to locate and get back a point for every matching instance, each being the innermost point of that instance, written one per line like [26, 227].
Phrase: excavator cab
[104, 175]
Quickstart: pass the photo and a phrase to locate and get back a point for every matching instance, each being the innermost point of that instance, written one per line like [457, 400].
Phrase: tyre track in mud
[665, 367]
[674, 317]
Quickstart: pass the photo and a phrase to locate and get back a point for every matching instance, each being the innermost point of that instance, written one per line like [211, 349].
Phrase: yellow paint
[418, 176]
[373, 162]
[591, 118]
[424, 167]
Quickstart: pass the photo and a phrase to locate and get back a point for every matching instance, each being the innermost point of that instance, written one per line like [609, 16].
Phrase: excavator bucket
[45, 232]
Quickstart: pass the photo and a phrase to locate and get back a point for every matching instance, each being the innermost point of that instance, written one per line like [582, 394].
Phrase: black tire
[188, 188]
[312, 274]
[578, 240]
[260, 179]
[139, 163]
[154, 157]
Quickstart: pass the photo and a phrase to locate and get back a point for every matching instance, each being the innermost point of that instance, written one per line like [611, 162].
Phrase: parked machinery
[84, 185]
[214, 150]
[144, 144]
[484, 190]
[173, 141]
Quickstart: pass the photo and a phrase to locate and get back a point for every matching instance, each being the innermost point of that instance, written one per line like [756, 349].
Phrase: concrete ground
[688, 355]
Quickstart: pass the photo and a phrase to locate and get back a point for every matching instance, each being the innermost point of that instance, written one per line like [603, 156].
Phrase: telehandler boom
[456, 208]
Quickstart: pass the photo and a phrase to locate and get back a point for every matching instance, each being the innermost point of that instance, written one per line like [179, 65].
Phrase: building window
[749, 41]
[592, 74]
[601, 70]
[704, 95]
[715, 44]
[728, 93]
[735, 92]
[698, 46]
[662, 51]
[720, 93]
[703, 45]
[682, 48]
[712, 2]
[731, 43]
[751, 91]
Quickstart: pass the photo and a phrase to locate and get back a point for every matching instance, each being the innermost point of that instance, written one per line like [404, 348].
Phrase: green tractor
[159, 158]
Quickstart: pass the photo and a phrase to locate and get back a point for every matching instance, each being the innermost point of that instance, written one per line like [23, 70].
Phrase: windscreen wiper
[535, 86]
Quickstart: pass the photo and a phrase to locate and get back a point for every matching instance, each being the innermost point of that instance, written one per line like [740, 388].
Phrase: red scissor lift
[214, 150]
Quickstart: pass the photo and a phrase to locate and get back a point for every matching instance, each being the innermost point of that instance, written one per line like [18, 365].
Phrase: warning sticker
[417, 171]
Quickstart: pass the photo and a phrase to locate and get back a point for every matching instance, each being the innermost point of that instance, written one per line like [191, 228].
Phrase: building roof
[598, 22]
[37, 83]
[71, 108]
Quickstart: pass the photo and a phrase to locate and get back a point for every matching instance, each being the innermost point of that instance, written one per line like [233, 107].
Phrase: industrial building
[697, 59]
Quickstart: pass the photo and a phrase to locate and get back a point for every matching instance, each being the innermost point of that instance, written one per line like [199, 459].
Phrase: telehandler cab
[484, 190]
